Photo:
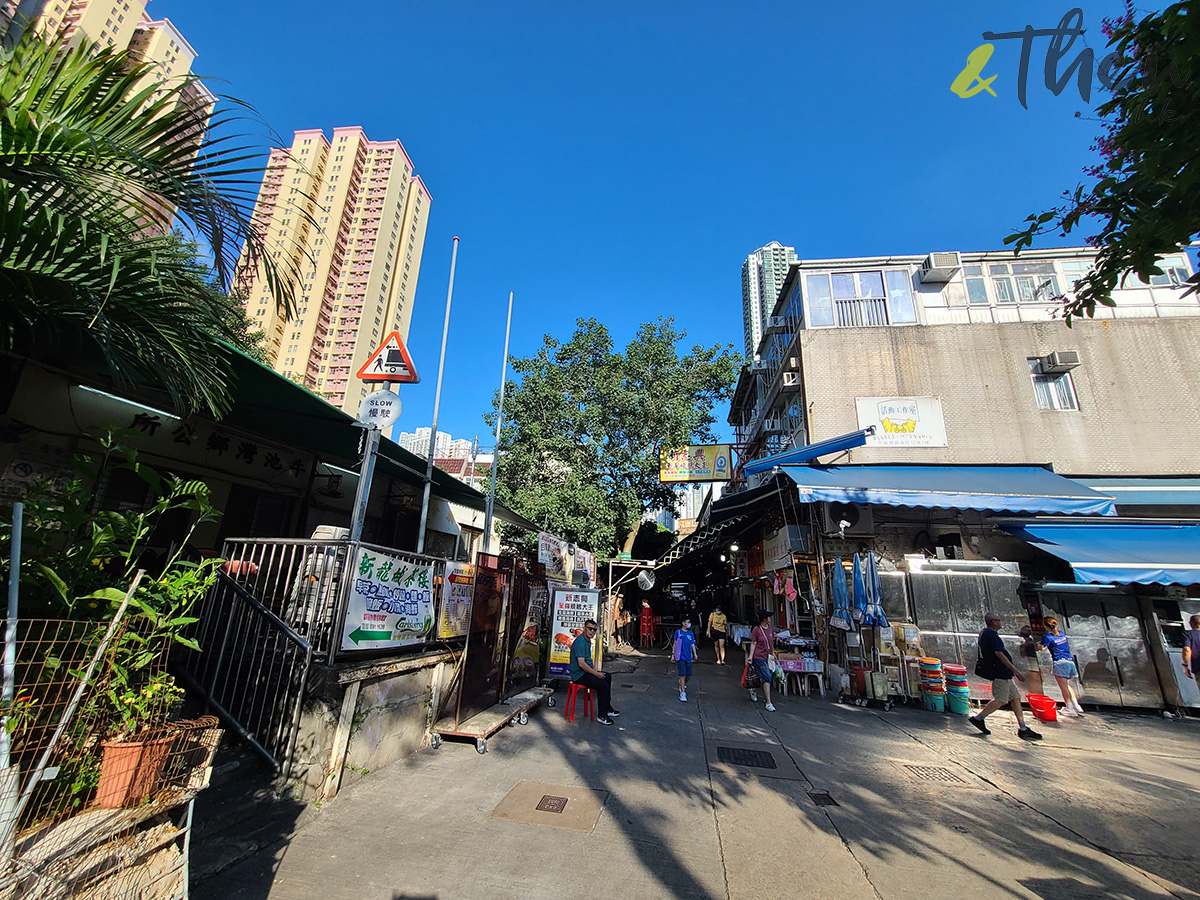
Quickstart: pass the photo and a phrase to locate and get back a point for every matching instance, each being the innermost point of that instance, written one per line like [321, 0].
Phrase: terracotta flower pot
[129, 771]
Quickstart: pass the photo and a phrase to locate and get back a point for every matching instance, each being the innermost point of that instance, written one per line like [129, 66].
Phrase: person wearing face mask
[684, 653]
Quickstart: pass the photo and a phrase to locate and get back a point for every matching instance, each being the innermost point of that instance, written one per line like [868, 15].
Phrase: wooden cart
[481, 726]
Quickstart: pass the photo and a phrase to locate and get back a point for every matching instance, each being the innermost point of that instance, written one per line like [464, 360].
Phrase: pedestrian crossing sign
[390, 362]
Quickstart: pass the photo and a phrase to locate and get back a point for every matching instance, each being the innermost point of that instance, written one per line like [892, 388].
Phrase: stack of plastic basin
[1044, 708]
[933, 688]
[958, 693]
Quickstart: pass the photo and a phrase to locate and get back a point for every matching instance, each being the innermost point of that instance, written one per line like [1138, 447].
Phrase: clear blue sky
[620, 160]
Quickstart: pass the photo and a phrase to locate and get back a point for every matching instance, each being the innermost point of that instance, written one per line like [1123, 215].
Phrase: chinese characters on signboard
[391, 602]
[571, 610]
[458, 588]
[704, 462]
[902, 421]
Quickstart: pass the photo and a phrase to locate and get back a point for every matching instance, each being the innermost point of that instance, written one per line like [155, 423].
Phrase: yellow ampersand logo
[968, 83]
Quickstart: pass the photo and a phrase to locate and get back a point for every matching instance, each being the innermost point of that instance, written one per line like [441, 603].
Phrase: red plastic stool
[589, 708]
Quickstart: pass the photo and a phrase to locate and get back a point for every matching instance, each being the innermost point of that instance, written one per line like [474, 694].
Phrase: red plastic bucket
[1044, 708]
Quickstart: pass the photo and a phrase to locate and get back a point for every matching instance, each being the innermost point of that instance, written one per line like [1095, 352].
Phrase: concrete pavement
[1106, 806]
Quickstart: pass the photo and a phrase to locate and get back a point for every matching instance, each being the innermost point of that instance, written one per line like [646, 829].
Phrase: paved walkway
[1106, 806]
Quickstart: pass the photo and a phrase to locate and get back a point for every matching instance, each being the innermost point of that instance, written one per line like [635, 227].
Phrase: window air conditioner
[939, 268]
[773, 425]
[1059, 362]
[858, 518]
[759, 365]
[791, 380]
[776, 324]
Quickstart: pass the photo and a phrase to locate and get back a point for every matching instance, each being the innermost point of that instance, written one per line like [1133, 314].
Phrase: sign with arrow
[390, 362]
[391, 602]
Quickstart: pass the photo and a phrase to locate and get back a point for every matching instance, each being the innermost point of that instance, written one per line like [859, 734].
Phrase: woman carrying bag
[758, 665]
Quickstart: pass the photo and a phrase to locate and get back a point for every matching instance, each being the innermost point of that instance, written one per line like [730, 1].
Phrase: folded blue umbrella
[880, 617]
[861, 602]
[840, 617]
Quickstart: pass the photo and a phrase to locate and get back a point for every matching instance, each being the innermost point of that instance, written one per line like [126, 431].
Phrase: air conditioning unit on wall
[939, 268]
[1059, 362]
[858, 518]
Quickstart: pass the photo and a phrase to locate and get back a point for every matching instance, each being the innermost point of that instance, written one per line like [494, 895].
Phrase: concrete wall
[1138, 387]
[388, 722]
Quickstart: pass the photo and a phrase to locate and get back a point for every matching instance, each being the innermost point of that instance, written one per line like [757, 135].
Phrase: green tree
[1145, 193]
[97, 159]
[583, 425]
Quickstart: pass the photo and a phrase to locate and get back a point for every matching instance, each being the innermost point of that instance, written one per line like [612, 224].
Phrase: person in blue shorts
[1064, 667]
[684, 653]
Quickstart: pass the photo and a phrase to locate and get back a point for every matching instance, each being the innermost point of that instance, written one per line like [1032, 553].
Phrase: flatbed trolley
[481, 726]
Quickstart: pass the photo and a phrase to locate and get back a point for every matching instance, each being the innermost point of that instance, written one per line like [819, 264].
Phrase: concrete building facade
[349, 214]
[763, 273]
[976, 338]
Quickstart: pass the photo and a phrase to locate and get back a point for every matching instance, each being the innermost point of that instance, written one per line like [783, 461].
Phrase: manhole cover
[822, 798]
[737, 756]
[552, 804]
[934, 773]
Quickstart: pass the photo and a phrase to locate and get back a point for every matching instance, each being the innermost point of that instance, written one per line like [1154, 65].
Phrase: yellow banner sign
[698, 462]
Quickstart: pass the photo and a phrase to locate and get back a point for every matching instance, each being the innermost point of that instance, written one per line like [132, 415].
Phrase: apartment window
[1035, 282]
[1052, 391]
[976, 286]
[1174, 272]
[900, 297]
[820, 301]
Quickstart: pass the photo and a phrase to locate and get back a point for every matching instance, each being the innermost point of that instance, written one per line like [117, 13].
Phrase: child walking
[684, 652]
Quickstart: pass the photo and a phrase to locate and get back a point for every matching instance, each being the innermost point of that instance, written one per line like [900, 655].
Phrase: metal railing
[299, 581]
[857, 313]
[252, 668]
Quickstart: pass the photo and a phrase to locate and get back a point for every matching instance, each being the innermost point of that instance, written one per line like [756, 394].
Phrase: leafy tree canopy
[583, 425]
[1145, 193]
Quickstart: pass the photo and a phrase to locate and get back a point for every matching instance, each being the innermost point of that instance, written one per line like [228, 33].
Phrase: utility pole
[491, 497]
[437, 400]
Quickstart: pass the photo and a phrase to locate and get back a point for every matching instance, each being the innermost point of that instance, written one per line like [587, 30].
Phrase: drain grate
[738, 756]
[552, 804]
[934, 773]
[822, 798]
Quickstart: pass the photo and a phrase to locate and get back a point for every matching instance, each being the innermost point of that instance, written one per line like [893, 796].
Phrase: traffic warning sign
[390, 362]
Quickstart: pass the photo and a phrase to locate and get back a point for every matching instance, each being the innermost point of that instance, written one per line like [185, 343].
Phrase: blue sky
[620, 160]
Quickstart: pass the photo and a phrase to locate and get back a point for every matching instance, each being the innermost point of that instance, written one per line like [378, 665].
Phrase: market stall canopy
[810, 452]
[1147, 491]
[1119, 552]
[1000, 488]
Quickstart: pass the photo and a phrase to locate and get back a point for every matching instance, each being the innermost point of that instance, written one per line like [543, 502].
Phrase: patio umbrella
[840, 617]
[860, 591]
[880, 617]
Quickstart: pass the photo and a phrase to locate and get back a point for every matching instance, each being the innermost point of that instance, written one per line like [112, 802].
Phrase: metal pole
[487, 519]
[10, 624]
[437, 400]
[365, 472]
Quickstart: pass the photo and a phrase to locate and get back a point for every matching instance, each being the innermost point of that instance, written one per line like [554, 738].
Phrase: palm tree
[97, 159]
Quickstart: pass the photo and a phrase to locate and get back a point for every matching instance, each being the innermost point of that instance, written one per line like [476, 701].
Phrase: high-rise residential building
[763, 273]
[349, 216]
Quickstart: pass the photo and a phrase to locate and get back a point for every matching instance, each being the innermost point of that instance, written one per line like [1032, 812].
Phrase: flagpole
[437, 401]
[487, 519]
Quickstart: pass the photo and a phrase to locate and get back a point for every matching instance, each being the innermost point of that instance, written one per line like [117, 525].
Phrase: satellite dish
[645, 579]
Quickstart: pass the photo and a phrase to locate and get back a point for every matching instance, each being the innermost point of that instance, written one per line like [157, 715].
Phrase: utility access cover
[552, 804]
[739, 756]
[934, 773]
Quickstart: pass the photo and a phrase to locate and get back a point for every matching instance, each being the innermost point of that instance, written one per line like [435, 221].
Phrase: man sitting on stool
[587, 675]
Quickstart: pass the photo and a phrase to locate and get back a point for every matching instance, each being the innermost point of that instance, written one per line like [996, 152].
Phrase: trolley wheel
[550, 701]
[523, 718]
[888, 706]
[435, 741]
[860, 702]
[512, 723]
[481, 745]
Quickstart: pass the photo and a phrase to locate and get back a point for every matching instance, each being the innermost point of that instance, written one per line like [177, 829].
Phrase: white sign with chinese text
[458, 589]
[379, 409]
[902, 421]
[571, 610]
[391, 602]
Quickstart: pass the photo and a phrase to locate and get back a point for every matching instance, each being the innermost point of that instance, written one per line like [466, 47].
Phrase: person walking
[684, 653]
[1064, 667]
[1191, 649]
[762, 637]
[718, 624]
[585, 673]
[996, 665]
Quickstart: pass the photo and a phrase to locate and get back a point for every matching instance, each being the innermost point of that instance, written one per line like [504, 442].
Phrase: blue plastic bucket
[960, 705]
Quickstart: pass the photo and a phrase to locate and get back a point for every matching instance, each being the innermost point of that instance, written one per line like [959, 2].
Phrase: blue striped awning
[1119, 553]
[998, 488]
